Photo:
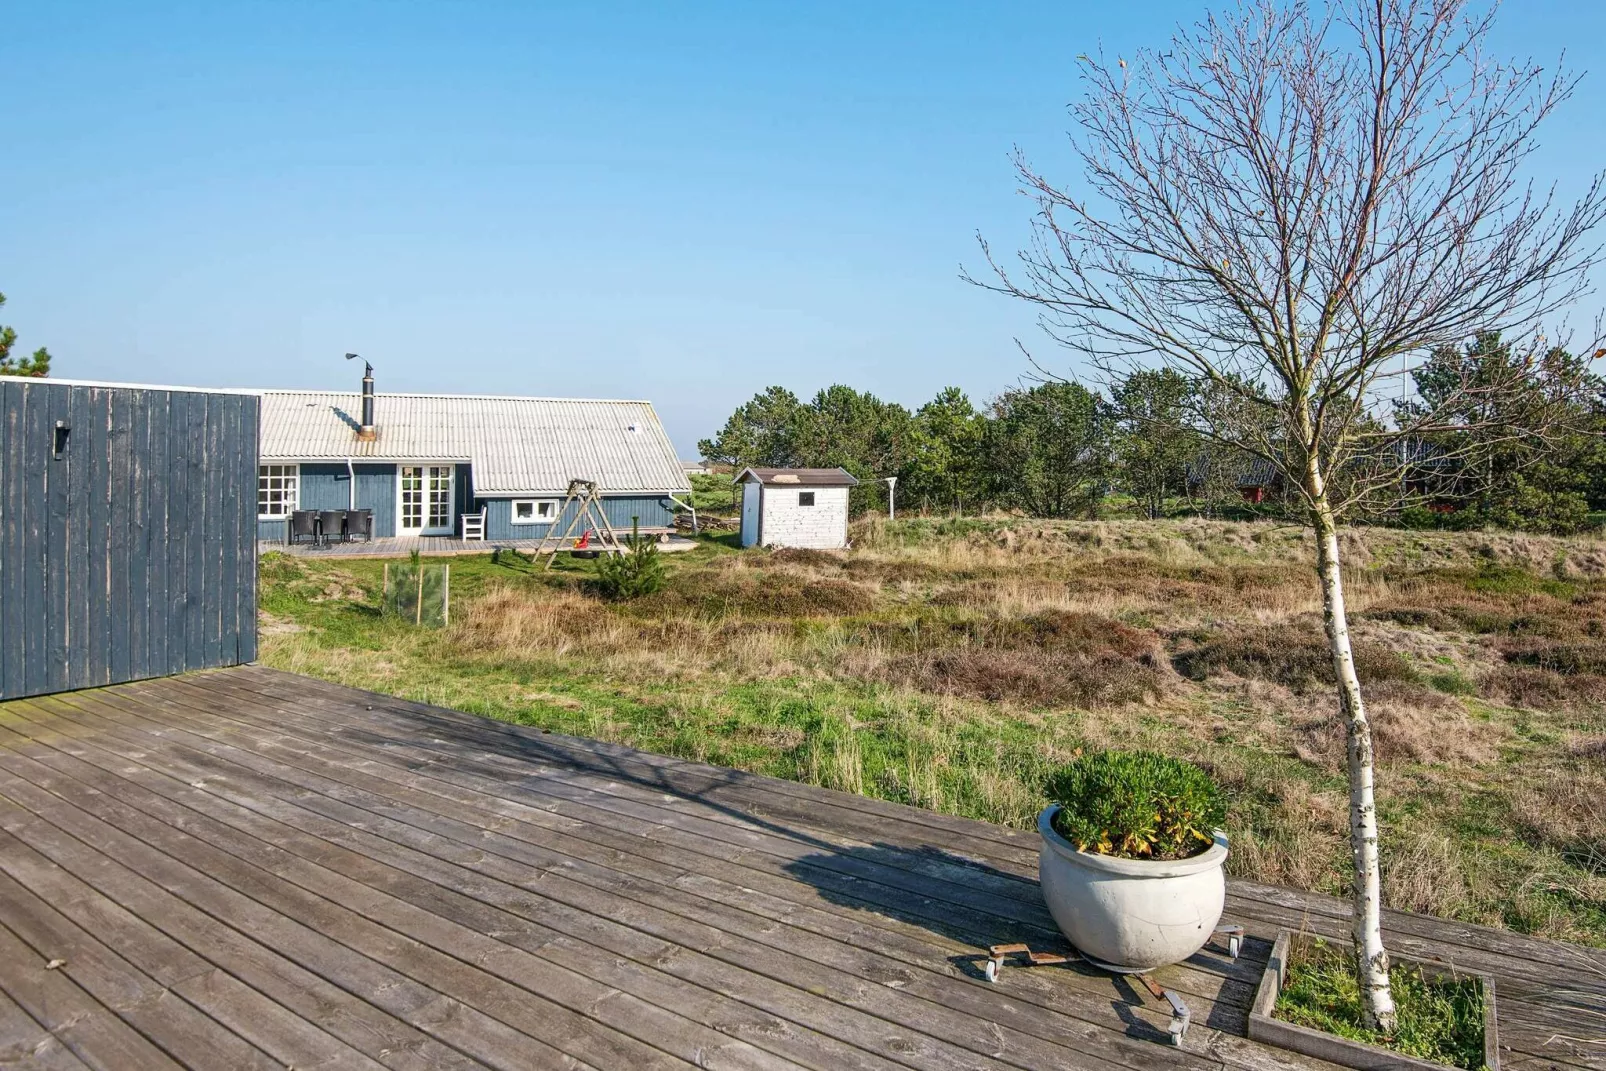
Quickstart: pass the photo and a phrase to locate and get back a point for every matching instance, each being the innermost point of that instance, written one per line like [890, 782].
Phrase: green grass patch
[1452, 682]
[1514, 580]
[1439, 1018]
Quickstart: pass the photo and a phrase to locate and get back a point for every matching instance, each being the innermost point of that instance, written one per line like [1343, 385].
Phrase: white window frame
[289, 489]
[535, 505]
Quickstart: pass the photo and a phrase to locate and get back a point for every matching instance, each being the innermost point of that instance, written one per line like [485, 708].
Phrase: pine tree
[638, 571]
[37, 366]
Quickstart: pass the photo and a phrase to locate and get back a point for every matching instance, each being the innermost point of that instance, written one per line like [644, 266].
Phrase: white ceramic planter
[1131, 914]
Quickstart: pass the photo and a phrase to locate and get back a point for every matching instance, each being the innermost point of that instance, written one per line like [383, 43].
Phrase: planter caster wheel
[1235, 939]
[1181, 1017]
[998, 953]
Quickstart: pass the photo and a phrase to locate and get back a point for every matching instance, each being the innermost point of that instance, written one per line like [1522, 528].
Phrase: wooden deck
[428, 546]
[249, 869]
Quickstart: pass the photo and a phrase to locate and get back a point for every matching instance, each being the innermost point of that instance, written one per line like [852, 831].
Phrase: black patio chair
[303, 522]
[332, 525]
[360, 522]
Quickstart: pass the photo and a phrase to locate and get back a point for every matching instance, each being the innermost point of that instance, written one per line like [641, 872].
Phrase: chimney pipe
[367, 432]
[368, 402]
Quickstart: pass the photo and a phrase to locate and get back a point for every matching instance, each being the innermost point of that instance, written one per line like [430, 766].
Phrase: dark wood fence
[127, 533]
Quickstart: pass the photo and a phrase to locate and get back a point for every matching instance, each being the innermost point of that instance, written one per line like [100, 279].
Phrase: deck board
[320, 876]
[90, 1030]
[24, 1043]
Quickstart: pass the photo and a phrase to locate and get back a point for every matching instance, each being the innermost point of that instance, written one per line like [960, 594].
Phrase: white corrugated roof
[516, 445]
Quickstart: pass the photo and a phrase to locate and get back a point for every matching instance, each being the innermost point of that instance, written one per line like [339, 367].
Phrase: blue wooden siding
[376, 490]
[325, 485]
[125, 534]
[654, 511]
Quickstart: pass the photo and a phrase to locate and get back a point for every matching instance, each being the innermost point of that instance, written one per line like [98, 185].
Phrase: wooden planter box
[1342, 1051]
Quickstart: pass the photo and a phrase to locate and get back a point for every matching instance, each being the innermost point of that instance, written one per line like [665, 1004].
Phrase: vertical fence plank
[211, 553]
[13, 458]
[195, 535]
[155, 608]
[79, 469]
[229, 533]
[250, 438]
[139, 483]
[56, 540]
[119, 411]
[178, 429]
[31, 542]
[97, 506]
[228, 428]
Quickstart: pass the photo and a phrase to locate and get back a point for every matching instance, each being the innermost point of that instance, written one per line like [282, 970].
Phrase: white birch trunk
[1371, 958]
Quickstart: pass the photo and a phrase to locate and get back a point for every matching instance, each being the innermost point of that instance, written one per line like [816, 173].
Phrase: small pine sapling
[638, 571]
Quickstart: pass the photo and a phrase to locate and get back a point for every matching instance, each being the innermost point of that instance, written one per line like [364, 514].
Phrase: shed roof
[799, 477]
[515, 445]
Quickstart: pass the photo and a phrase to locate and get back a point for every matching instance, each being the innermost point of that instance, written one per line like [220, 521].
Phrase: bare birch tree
[1291, 203]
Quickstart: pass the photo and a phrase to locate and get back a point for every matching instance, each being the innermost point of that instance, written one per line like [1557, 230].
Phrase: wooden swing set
[597, 533]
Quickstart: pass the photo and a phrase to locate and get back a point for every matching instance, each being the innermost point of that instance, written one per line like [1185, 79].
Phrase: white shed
[795, 507]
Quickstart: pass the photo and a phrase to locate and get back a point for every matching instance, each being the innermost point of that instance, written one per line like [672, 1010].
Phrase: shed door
[751, 491]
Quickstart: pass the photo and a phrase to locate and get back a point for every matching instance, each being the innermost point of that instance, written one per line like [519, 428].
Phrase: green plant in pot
[1132, 855]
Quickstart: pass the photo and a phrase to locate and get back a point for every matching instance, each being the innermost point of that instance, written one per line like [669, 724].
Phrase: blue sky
[684, 202]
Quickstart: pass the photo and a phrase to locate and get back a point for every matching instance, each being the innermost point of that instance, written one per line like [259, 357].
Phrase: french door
[426, 500]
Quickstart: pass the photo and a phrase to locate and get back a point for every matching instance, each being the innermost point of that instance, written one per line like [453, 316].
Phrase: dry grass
[1423, 871]
[1566, 811]
[1409, 725]
[951, 666]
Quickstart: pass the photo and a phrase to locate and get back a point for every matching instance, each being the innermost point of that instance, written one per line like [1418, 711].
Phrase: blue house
[422, 462]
